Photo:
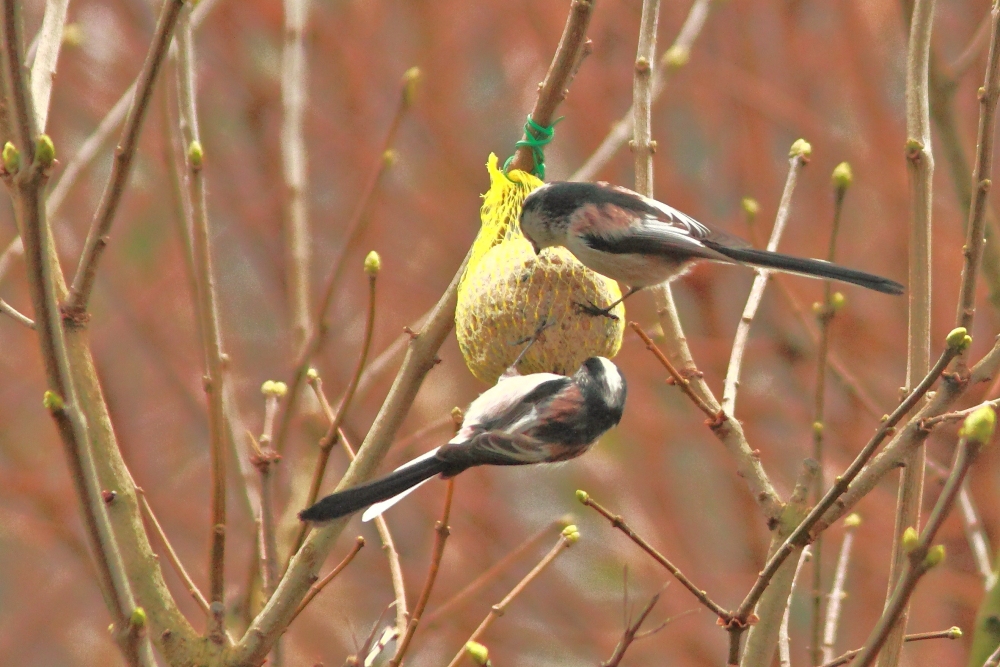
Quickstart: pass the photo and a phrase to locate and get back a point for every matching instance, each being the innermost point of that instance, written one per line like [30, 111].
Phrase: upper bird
[641, 242]
[524, 419]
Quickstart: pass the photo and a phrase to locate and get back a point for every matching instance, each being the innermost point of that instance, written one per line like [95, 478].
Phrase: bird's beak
[534, 246]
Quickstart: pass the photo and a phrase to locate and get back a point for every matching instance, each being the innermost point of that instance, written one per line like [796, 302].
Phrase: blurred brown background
[763, 73]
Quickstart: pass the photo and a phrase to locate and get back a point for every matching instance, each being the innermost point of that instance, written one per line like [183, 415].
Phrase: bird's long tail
[815, 268]
[390, 489]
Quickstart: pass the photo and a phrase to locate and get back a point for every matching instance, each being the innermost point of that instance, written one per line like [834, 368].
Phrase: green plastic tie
[537, 137]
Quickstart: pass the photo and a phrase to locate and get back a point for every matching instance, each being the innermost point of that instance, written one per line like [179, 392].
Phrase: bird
[640, 241]
[522, 420]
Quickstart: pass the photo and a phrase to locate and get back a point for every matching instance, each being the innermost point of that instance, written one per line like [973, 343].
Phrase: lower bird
[641, 242]
[523, 420]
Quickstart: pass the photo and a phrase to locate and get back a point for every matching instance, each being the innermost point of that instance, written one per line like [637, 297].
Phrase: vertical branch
[837, 592]
[798, 157]
[920, 168]
[26, 172]
[784, 641]
[294, 87]
[673, 59]
[826, 311]
[643, 145]
[981, 174]
[206, 307]
[50, 38]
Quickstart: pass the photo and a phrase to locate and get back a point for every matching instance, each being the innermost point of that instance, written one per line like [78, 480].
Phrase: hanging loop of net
[537, 137]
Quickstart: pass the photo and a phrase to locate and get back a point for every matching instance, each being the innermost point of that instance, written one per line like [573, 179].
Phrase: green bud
[479, 653]
[196, 156]
[11, 158]
[954, 632]
[571, 533]
[267, 388]
[750, 206]
[837, 301]
[959, 340]
[817, 428]
[373, 263]
[852, 520]
[913, 146]
[390, 157]
[52, 401]
[910, 539]
[978, 426]
[935, 556]
[582, 496]
[411, 79]
[843, 176]
[800, 149]
[138, 618]
[312, 375]
[676, 56]
[45, 151]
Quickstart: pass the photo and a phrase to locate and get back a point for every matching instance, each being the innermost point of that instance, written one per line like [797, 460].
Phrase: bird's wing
[495, 448]
[510, 401]
[621, 221]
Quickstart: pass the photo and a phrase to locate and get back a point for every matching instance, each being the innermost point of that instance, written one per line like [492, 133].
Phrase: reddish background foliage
[762, 74]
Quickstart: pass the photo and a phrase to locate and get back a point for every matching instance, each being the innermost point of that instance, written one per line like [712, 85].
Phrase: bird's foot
[595, 311]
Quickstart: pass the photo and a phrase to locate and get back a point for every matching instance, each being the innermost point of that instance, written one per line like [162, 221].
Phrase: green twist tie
[538, 137]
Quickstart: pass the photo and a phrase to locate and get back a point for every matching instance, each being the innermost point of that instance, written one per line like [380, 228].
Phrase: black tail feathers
[359, 497]
[809, 267]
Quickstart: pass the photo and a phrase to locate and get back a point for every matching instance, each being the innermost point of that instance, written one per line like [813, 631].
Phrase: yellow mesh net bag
[507, 292]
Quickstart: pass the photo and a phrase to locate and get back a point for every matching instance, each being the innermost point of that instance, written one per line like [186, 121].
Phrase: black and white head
[545, 217]
[603, 387]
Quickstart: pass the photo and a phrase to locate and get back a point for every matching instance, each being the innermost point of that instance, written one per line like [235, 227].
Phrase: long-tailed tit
[524, 419]
[641, 242]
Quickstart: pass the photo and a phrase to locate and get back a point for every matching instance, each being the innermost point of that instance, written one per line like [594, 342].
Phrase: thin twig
[206, 306]
[971, 522]
[672, 59]
[679, 380]
[312, 346]
[97, 236]
[441, 532]
[800, 535]
[16, 315]
[838, 593]
[618, 522]
[388, 545]
[989, 93]
[798, 158]
[49, 41]
[492, 573]
[630, 634]
[318, 587]
[951, 633]
[919, 557]
[294, 92]
[825, 315]
[27, 188]
[329, 439]
[568, 537]
[175, 561]
[784, 641]
[421, 357]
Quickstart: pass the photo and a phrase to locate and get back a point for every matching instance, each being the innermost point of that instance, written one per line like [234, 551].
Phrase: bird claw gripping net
[507, 293]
